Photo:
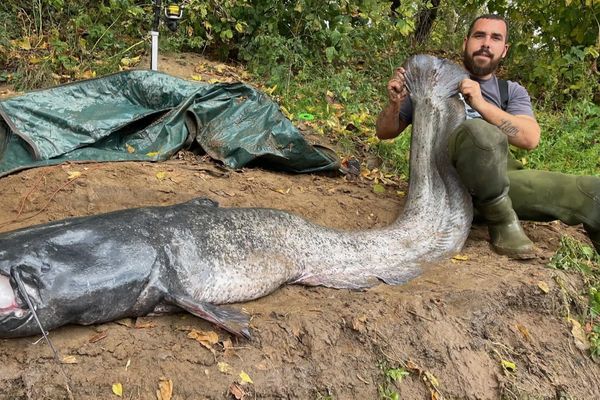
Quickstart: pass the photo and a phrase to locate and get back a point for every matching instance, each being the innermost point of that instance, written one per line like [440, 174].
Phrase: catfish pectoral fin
[227, 318]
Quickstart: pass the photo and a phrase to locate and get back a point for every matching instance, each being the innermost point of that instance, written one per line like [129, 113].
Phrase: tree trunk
[425, 20]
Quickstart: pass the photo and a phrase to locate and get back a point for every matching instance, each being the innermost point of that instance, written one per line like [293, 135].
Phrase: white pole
[154, 59]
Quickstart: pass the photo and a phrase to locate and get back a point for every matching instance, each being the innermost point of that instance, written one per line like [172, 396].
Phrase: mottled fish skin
[124, 264]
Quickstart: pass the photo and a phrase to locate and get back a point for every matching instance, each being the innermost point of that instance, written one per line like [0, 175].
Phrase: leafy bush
[52, 41]
[281, 37]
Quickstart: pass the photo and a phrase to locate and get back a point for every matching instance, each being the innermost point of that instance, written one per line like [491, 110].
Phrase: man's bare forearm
[522, 131]
[389, 124]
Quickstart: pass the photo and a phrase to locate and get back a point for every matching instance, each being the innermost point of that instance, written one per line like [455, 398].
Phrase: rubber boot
[506, 234]
[548, 196]
[479, 152]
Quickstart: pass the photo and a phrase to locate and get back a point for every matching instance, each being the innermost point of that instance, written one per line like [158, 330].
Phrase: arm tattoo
[508, 128]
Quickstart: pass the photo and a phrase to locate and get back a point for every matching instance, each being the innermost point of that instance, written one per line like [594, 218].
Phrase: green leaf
[330, 53]
[397, 374]
[509, 365]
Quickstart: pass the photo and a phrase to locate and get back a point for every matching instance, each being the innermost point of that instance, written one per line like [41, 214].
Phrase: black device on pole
[172, 14]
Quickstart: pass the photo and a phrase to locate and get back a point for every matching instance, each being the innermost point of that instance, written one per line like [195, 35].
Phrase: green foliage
[555, 45]
[396, 374]
[52, 41]
[573, 255]
[595, 343]
[393, 377]
[280, 38]
[570, 140]
[331, 59]
[396, 154]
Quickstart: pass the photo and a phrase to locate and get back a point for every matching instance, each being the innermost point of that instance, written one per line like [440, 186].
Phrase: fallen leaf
[161, 175]
[23, 44]
[88, 74]
[69, 360]
[128, 364]
[581, 341]
[524, 331]
[378, 189]
[244, 378]
[413, 367]
[165, 389]
[196, 77]
[283, 191]
[130, 61]
[117, 389]
[270, 90]
[508, 365]
[207, 339]
[236, 391]
[74, 174]
[543, 287]
[152, 154]
[432, 379]
[358, 323]
[224, 368]
[460, 257]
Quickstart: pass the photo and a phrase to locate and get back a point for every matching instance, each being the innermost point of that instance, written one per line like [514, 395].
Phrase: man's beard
[476, 70]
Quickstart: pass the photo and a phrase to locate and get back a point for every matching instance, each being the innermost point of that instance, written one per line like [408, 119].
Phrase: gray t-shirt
[519, 102]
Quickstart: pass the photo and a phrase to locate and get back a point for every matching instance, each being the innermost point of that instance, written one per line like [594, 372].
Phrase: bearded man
[499, 113]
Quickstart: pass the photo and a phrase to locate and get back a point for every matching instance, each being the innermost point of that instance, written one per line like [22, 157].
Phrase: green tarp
[148, 115]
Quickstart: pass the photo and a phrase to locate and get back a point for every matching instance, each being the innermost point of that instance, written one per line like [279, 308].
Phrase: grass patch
[578, 257]
[393, 377]
[570, 141]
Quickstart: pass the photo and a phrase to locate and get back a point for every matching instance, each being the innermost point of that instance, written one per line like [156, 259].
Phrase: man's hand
[389, 124]
[471, 91]
[396, 87]
[523, 131]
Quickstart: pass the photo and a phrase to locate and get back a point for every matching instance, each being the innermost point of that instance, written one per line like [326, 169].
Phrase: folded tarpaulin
[149, 115]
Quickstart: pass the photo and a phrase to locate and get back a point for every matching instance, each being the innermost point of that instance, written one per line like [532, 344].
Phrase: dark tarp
[148, 115]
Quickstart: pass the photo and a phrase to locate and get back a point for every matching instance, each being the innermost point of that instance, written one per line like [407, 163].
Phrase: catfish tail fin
[428, 76]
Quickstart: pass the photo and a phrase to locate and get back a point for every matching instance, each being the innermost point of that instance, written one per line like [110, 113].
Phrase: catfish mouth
[12, 315]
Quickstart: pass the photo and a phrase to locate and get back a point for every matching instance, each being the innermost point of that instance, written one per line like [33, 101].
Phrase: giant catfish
[198, 256]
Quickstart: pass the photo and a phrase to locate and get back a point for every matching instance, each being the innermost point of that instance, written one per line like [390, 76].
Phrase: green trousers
[479, 151]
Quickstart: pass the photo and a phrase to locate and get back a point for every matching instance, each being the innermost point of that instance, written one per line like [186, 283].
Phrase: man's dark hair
[489, 16]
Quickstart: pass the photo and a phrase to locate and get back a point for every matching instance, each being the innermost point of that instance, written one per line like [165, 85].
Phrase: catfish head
[16, 286]
[84, 270]
[13, 314]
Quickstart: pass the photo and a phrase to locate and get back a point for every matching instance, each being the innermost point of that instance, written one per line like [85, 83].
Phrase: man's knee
[481, 134]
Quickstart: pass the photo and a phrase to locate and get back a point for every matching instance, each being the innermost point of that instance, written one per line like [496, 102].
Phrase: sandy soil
[451, 328]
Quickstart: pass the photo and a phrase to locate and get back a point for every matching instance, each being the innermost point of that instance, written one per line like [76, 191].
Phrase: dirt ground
[451, 328]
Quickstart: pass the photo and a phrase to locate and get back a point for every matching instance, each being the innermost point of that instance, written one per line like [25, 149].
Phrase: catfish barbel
[198, 256]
